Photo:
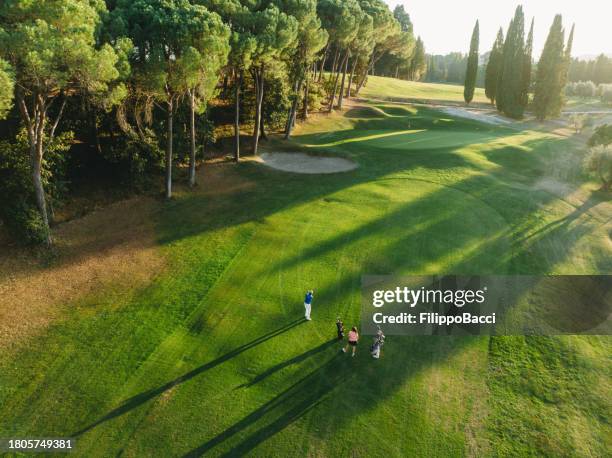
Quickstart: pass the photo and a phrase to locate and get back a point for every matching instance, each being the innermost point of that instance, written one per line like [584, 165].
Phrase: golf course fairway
[212, 356]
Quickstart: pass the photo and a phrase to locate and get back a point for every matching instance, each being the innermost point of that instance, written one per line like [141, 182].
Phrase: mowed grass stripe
[213, 359]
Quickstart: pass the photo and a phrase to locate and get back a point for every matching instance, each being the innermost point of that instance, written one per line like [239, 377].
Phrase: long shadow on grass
[309, 400]
[142, 398]
[346, 385]
[290, 362]
[302, 396]
[277, 192]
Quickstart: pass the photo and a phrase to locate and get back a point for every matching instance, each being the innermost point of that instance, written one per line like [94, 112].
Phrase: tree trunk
[35, 126]
[96, 132]
[344, 69]
[323, 60]
[170, 104]
[293, 110]
[259, 89]
[237, 118]
[332, 99]
[192, 156]
[306, 89]
[334, 64]
[262, 130]
[365, 75]
[36, 155]
[350, 81]
[225, 82]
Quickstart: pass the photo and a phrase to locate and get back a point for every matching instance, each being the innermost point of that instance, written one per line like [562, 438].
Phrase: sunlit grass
[212, 358]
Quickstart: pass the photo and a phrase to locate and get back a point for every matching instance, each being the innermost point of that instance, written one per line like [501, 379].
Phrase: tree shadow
[139, 399]
[277, 191]
[323, 386]
[295, 360]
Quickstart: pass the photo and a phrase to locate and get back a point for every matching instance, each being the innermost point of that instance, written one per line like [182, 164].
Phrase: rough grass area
[394, 89]
[211, 356]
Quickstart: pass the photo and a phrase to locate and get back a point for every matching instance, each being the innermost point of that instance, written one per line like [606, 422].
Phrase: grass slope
[213, 359]
[379, 87]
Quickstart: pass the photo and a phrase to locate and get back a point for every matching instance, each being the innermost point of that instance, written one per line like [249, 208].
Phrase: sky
[446, 25]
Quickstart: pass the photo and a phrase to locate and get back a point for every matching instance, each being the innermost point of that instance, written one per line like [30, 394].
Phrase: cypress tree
[510, 82]
[472, 66]
[568, 57]
[501, 93]
[527, 67]
[548, 98]
[493, 67]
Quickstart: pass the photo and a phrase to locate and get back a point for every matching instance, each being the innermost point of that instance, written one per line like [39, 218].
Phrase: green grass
[394, 89]
[212, 357]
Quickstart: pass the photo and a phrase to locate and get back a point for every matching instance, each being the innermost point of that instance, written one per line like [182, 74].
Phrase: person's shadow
[297, 359]
[141, 398]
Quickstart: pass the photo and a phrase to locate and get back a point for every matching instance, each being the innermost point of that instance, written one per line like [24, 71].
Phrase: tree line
[598, 70]
[145, 82]
[510, 75]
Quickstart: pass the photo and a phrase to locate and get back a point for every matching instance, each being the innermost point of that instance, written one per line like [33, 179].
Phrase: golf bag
[340, 329]
[379, 341]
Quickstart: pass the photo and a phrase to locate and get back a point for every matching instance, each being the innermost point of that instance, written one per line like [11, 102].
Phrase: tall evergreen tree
[548, 99]
[527, 68]
[418, 64]
[494, 66]
[472, 66]
[510, 82]
[568, 57]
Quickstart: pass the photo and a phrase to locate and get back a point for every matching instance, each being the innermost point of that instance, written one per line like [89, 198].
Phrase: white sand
[304, 163]
[475, 115]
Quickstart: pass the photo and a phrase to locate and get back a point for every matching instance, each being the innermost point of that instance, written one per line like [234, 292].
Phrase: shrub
[578, 122]
[24, 223]
[586, 89]
[18, 208]
[601, 136]
[317, 95]
[603, 88]
[606, 95]
[598, 161]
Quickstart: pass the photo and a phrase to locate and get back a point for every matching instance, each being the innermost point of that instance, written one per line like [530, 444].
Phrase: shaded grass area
[213, 358]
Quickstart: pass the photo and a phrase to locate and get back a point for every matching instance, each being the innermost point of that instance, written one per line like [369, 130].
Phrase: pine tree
[472, 66]
[527, 67]
[493, 67]
[548, 99]
[510, 82]
[418, 64]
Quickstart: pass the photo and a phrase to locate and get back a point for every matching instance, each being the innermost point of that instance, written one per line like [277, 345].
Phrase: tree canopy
[148, 82]
[7, 85]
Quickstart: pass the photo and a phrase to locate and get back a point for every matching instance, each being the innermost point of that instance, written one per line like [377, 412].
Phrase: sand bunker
[304, 163]
[476, 115]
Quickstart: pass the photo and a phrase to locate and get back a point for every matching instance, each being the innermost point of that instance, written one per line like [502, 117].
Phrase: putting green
[213, 358]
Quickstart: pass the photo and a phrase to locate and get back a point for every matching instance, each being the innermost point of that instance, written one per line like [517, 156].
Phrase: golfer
[353, 339]
[308, 304]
